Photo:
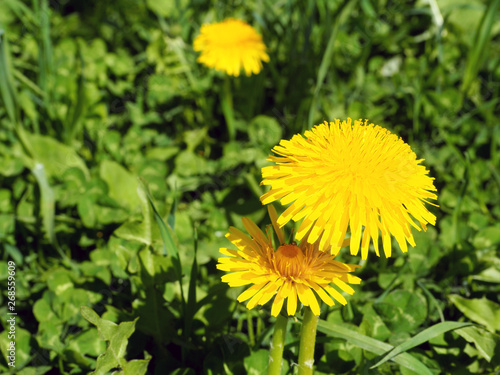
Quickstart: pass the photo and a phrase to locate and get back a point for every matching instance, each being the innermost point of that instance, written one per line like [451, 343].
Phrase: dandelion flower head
[230, 46]
[358, 175]
[291, 272]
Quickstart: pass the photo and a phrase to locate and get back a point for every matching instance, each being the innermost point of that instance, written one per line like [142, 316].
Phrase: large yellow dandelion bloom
[290, 272]
[357, 175]
[231, 45]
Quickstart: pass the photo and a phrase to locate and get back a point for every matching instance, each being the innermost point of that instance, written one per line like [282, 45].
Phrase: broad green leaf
[487, 237]
[490, 275]
[183, 371]
[39, 370]
[22, 347]
[402, 311]
[105, 328]
[49, 336]
[43, 312]
[88, 343]
[117, 335]
[90, 315]
[188, 163]
[121, 183]
[55, 157]
[484, 341]
[256, 362]
[372, 345]
[264, 131]
[139, 231]
[163, 8]
[420, 338]
[59, 281]
[87, 212]
[136, 367]
[482, 311]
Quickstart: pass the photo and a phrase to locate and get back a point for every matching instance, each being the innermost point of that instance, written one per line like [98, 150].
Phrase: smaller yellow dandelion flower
[358, 175]
[296, 273]
[231, 45]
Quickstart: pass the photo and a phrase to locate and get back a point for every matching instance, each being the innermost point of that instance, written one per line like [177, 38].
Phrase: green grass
[119, 179]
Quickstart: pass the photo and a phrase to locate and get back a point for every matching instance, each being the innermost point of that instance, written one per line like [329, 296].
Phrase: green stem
[307, 342]
[251, 336]
[277, 346]
[227, 108]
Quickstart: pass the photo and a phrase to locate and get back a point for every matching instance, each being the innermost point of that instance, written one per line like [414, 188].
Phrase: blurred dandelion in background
[230, 46]
[358, 175]
[291, 272]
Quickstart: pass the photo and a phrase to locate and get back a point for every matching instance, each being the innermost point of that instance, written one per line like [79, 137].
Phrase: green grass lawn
[120, 176]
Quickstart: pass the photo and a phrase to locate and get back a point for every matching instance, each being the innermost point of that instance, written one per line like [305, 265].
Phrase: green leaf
[372, 345]
[482, 311]
[42, 310]
[90, 315]
[22, 347]
[487, 237]
[183, 371]
[420, 338]
[117, 335]
[55, 157]
[59, 281]
[136, 367]
[188, 163]
[256, 362]
[264, 131]
[88, 343]
[39, 370]
[484, 341]
[139, 231]
[121, 183]
[402, 311]
[490, 275]
[164, 8]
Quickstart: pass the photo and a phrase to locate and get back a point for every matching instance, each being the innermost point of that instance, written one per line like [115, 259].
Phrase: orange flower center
[289, 261]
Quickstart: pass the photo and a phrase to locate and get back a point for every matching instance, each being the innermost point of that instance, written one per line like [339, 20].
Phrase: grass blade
[372, 345]
[77, 111]
[328, 56]
[420, 338]
[45, 54]
[481, 39]
[7, 90]
[191, 301]
[168, 240]
[48, 205]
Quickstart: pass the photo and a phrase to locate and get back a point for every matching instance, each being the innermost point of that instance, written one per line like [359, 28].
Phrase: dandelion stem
[251, 336]
[277, 345]
[227, 108]
[307, 342]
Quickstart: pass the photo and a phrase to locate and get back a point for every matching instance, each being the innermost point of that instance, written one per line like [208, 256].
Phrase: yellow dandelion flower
[289, 273]
[355, 175]
[231, 45]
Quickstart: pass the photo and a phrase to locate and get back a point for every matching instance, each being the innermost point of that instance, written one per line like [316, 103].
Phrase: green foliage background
[114, 151]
